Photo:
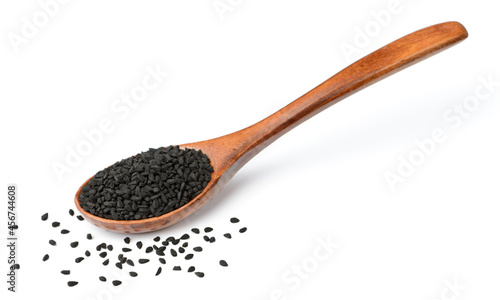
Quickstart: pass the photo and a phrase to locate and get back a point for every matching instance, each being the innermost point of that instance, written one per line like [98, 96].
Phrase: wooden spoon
[230, 152]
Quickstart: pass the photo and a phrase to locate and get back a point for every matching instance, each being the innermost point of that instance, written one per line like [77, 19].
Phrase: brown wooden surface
[230, 152]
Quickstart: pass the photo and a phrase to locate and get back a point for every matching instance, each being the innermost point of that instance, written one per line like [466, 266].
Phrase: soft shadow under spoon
[230, 152]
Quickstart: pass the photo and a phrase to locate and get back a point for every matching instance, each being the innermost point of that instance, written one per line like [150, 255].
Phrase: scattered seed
[71, 212]
[139, 245]
[191, 269]
[206, 238]
[72, 283]
[103, 245]
[132, 274]
[198, 249]
[195, 230]
[126, 249]
[234, 220]
[181, 250]
[185, 244]
[212, 239]
[87, 253]
[79, 217]
[208, 229]
[126, 240]
[64, 231]
[45, 257]
[110, 247]
[55, 224]
[102, 278]
[89, 236]
[74, 244]
[149, 249]
[189, 256]
[116, 282]
[123, 260]
[130, 262]
[103, 254]
[227, 235]
[160, 253]
[175, 242]
[106, 262]
[79, 259]
[118, 265]
[177, 268]
[200, 274]
[223, 262]
[143, 260]
[185, 236]
[52, 242]
[157, 239]
[65, 272]
[243, 229]
[162, 260]
[45, 216]
[158, 271]
[173, 252]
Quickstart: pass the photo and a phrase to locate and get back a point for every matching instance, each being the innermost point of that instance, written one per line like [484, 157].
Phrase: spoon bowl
[230, 152]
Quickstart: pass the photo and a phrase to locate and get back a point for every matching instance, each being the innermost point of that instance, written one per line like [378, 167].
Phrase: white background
[435, 236]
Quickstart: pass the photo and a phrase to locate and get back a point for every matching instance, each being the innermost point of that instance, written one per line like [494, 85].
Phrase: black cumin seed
[126, 249]
[181, 250]
[71, 212]
[158, 271]
[198, 249]
[157, 239]
[126, 240]
[123, 260]
[200, 274]
[110, 247]
[106, 262]
[45, 257]
[208, 229]
[130, 262]
[65, 272]
[162, 260]
[227, 235]
[74, 244]
[139, 245]
[234, 220]
[160, 253]
[87, 253]
[79, 217]
[149, 249]
[191, 269]
[175, 242]
[243, 229]
[189, 256]
[143, 260]
[118, 265]
[55, 224]
[177, 268]
[206, 238]
[103, 254]
[132, 274]
[102, 278]
[89, 236]
[64, 231]
[72, 283]
[212, 239]
[185, 236]
[45, 216]
[173, 252]
[116, 282]
[223, 263]
[103, 245]
[79, 260]
[195, 230]
[52, 242]
[185, 244]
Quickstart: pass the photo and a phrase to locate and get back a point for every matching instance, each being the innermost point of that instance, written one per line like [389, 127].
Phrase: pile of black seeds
[148, 184]
[131, 255]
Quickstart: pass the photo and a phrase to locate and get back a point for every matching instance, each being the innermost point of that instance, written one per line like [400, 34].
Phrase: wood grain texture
[230, 152]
